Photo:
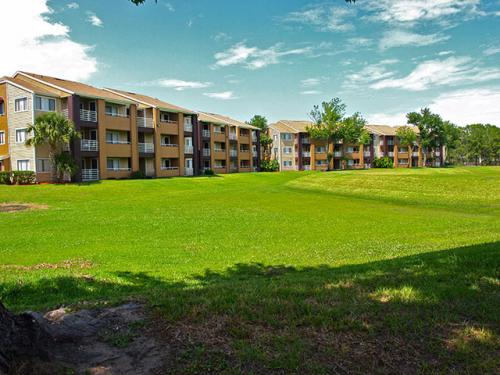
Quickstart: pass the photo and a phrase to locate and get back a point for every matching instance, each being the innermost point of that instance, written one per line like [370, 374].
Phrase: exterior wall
[166, 152]
[19, 120]
[4, 127]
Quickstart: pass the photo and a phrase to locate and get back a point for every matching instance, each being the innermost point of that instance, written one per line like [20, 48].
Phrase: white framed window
[287, 163]
[286, 136]
[166, 163]
[165, 117]
[23, 165]
[111, 110]
[113, 164]
[165, 140]
[21, 135]
[21, 105]
[275, 137]
[188, 120]
[320, 150]
[321, 162]
[42, 165]
[2, 138]
[287, 150]
[45, 104]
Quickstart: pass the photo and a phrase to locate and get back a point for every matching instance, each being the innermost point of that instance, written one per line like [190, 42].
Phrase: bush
[137, 175]
[209, 172]
[269, 165]
[23, 177]
[384, 162]
[5, 178]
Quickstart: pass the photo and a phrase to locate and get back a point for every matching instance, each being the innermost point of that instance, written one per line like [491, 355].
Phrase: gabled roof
[28, 86]
[150, 101]
[214, 118]
[72, 87]
[291, 126]
[386, 129]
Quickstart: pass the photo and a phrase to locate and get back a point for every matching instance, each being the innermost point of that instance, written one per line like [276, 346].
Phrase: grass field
[344, 272]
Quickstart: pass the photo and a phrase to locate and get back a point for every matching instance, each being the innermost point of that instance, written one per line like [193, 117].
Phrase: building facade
[295, 150]
[122, 133]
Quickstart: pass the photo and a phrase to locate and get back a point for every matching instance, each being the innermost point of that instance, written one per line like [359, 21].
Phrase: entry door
[93, 135]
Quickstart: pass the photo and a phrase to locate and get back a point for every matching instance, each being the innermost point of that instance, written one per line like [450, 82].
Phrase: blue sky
[276, 58]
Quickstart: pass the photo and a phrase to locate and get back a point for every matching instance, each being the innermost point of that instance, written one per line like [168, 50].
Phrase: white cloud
[309, 82]
[360, 42]
[41, 45]
[94, 20]
[73, 6]
[493, 50]
[452, 71]
[387, 119]
[177, 84]
[225, 95]
[398, 38]
[445, 53]
[169, 7]
[221, 37]
[323, 17]
[255, 58]
[369, 74]
[310, 92]
[469, 106]
[413, 11]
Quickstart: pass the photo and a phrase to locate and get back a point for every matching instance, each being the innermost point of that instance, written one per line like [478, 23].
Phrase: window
[286, 136]
[166, 163]
[321, 162]
[165, 140]
[403, 161]
[320, 150]
[275, 150]
[352, 149]
[114, 137]
[42, 165]
[21, 135]
[113, 164]
[111, 110]
[2, 138]
[188, 120]
[275, 137]
[23, 165]
[287, 150]
[45, 104]
[287, 163]
[165, 117]
[2, 107]
[21, 105]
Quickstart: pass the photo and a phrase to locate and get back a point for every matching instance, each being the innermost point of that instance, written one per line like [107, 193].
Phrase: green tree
[481, 144]
[407, 137]
[454, 149]
[259, 122]
[265, 140]
[56, 131]
[431, 130]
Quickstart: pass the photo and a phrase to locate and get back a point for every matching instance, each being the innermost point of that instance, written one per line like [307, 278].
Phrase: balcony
[188, 171]
[146, 148]
[233, 153]
[188, 127]
[306, 141]
[306, 154]
[118, 169]
[232, 136]
[88, 116]
[206, 152]
[90, 175]
[254, 154]
[205, 133]
[145, 122]
[337, 154]
[188, 149]
[169, 168]
[254, 138]
[89, 145]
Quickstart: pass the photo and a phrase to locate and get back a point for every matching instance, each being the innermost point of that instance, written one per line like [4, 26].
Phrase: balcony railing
[206, 152]
[169, 145]
[233, 153]
[90, 174]
[145, 122]
[232, 136]
[244, 151]
[306, 154]
[89, 116]
[337, 154]
[188, 149]
[116, 142]
[89, 145]
[188, 127]
[169, 168]
[188, 171]
[116, 114]
[146, 148]
[205, 133]
[118, 169]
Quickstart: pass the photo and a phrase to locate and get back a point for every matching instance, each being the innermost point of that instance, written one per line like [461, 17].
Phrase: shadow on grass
[434, 312]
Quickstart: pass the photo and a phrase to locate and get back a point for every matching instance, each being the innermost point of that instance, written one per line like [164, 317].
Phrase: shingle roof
[78, 88]
[31, 86]
[386, 129]
[153, 102]
[291, 126]
[214, 118]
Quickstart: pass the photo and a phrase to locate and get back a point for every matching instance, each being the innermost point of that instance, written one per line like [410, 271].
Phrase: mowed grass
[343, 272]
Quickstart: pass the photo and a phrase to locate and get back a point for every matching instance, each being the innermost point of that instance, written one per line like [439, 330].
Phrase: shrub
[23, 177]
[137, 175]
[384, 162]
[209, 172]
[269, 165]
[5, 178]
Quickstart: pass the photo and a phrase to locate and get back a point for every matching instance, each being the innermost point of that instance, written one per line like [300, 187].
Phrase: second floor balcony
[206, 152]
[188, 149]
[89, 145]
[146, 148]
[88, 116]
[233, 153]
[205, 133]
[145, 122]
[232, 136]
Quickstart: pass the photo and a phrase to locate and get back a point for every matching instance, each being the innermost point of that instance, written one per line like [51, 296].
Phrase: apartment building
[294, 150]
[121, 132]
[228, 145]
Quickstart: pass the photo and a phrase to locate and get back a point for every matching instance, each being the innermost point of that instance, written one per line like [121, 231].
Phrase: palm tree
[407, 137]
[56, 131]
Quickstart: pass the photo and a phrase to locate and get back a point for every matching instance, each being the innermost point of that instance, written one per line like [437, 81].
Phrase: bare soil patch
[16, 207]
[66, 264]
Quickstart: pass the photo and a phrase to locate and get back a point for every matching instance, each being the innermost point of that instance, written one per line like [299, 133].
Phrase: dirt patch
[16, 207]
[66, 264]
[98, 342]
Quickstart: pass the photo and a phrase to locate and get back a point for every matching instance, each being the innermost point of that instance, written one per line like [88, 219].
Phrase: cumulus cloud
[177, 84]
[451, 71]
[370, 73]
[94, 20]
[398, 38]
[225, 95]
[254, 57]
[41, 45]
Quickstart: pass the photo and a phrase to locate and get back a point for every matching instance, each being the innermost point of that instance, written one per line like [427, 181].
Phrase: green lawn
[342, 272]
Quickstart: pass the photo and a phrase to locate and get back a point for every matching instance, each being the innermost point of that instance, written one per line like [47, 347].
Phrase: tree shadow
[433, 312]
